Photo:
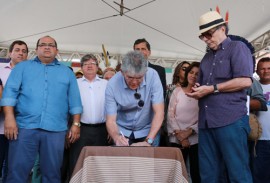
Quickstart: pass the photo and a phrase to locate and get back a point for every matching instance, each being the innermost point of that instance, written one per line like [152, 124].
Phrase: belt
[93, 125]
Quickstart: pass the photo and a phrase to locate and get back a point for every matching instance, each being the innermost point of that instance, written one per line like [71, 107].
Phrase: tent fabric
[171, 27]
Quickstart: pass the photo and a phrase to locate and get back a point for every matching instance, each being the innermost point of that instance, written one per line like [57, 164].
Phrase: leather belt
[93, 125]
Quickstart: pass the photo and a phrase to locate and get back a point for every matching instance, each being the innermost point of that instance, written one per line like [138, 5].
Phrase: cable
[130, 9]
[151, 26]
[140, 6]
[110, 6]
[111, 16]
[60, 28]
[164, 34]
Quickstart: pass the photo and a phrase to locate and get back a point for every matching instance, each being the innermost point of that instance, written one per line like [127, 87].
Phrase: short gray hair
[87, 57]
[134, 63]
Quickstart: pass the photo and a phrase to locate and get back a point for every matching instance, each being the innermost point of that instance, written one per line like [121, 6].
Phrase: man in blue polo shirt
[37, 98]
[134, 103]
[225, 73]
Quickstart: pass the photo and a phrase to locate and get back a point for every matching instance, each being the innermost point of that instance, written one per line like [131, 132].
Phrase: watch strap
[215, 88]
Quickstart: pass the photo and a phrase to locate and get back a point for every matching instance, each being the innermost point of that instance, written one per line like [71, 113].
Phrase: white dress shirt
[93, 100]
[4, 73]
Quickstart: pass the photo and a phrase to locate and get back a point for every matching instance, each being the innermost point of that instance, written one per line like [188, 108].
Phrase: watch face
[149, 141]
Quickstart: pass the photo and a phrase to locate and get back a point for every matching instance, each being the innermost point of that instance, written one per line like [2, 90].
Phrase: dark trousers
[90, 136]
[192, 154]
[261, 162]
[3, 156]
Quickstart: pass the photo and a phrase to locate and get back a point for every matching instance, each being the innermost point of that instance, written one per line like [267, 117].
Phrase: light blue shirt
[42, 94]
[120, 101]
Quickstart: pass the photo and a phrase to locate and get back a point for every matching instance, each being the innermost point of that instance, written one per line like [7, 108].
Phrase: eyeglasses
[90, 64]
[47, 45]
[208, 34]
[138, 97]
[134, 78]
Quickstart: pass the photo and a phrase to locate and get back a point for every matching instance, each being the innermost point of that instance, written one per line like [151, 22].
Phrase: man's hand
[200, 91]
[74, 133]
[110, 140]
[121, 141]
[145, 144]
[11, 129]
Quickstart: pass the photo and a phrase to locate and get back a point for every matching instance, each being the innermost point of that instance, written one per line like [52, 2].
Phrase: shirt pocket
[222, 69]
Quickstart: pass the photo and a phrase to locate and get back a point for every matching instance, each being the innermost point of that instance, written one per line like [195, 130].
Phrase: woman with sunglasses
[178, 78]
[182, 121]
[179, 73]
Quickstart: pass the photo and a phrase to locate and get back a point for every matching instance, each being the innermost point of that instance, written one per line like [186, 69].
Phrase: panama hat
[79, 72]
[210, 20]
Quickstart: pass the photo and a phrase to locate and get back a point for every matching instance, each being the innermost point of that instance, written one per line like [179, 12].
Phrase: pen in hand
[124, 137]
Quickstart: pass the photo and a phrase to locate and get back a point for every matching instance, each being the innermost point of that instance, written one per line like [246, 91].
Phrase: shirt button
[214, 64]
[210, 74]
[206, 106]
[207, 83]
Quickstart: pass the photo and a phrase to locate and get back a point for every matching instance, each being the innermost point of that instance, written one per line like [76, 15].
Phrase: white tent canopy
[171, 26]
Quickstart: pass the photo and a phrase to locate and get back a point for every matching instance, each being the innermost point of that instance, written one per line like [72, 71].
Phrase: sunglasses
[208, 34]
[183, 68]
[138, 97]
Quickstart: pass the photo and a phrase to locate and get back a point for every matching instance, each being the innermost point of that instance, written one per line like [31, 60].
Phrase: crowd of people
[49, 113]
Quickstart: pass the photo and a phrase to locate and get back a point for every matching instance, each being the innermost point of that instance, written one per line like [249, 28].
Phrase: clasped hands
[182, 137]
[200, 91]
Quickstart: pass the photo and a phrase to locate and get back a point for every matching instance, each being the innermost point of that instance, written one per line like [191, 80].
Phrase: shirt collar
[54, 62]
[225, 43]
[8, 65]
[96, 78]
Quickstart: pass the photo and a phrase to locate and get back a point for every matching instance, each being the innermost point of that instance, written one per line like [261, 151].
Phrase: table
[130, 164]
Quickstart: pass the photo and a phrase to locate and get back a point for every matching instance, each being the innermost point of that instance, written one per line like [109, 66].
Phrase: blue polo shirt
[232, 60]
[120, 101]
[43, 95]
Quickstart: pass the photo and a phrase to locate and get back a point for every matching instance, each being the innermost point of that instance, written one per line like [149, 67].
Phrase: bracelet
[78, 124]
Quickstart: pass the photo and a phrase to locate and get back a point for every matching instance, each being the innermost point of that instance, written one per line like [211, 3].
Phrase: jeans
[225, 146]
[23, 153]
[261, 162]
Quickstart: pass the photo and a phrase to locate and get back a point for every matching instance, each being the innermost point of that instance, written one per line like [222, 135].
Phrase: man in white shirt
[18, 51]
[93, 127]
[261, 162]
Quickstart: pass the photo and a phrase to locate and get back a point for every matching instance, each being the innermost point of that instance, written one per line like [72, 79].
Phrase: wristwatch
[78, 124]
[149, 141]
[215, 88]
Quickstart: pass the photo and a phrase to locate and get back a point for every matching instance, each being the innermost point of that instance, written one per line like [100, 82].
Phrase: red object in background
[76, 64]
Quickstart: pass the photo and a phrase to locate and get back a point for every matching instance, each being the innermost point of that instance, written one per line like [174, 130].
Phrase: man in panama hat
[225, 73]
